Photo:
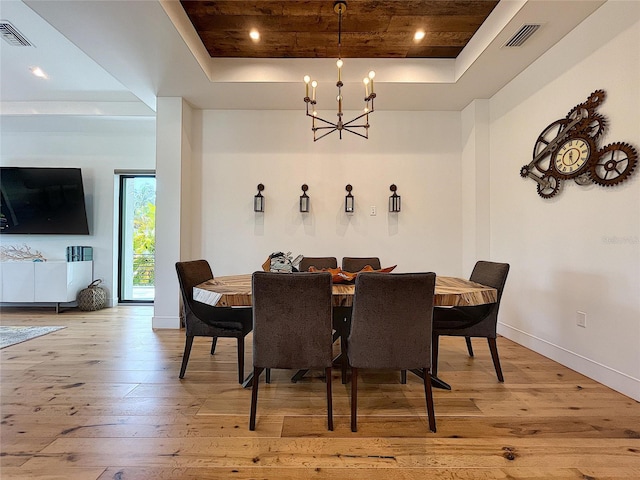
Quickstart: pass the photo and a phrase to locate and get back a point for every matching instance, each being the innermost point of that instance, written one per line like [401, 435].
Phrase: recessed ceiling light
[419, 35]
[255, 35]
[38, 72]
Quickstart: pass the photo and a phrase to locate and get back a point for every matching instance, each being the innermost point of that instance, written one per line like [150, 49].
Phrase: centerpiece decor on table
[342, 276]
[282, 263]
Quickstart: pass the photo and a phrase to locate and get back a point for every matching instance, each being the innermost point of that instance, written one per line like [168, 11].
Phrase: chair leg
[345, 358]
[240, 359]
[429, 396]
[493, 347]
[435, 339]
[354, 399]
[254, 397]
[403, 377]
[185, 356]
[327, 373]
[213, 345]
[469, 346]
[268, 380]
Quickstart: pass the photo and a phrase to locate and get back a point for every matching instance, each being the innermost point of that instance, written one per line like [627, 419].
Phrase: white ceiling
[114, 58]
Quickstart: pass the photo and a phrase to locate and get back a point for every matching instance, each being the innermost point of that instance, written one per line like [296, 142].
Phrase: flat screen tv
[42, 201]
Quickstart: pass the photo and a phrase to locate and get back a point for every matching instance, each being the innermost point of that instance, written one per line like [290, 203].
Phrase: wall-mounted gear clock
[568, 149]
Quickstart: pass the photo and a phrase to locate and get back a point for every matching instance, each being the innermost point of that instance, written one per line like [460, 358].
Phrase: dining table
[235, 291]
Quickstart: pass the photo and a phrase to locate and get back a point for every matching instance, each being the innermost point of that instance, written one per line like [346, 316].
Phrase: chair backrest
[318, 262]
[355, 264]
[191, 274]
[292, 326]
[492, 274]
[392, 320]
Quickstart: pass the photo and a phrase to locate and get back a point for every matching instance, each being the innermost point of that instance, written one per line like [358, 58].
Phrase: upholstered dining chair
[341, 315]
[355, 264]
[203, 320]
[291, 327]
[476, 321]
[318, 262]
[391, 329]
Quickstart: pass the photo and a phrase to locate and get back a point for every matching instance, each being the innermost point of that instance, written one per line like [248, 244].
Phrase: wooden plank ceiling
[309, 28]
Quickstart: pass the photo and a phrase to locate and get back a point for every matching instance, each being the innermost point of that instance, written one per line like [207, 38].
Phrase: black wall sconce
[349, 200]
[394, 200]
[258, 200]
[304, 199]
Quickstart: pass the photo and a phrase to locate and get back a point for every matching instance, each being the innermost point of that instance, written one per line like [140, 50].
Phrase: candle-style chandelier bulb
[372, 74]
[350, 126]
[306, 79]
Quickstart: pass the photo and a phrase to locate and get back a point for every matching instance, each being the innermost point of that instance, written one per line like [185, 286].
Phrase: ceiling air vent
[12, 36]
[522, 35]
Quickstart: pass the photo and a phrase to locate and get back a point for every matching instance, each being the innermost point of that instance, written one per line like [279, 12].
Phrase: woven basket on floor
[93, 297]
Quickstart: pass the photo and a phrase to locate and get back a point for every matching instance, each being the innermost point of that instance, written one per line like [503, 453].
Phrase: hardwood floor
[101, 399]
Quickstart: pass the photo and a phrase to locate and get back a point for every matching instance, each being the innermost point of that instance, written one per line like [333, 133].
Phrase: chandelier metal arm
[334, 125]
[315, 139]
[357, 133]
[348, 124]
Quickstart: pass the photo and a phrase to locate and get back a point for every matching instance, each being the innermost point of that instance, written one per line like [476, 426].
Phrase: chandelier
[339, 7]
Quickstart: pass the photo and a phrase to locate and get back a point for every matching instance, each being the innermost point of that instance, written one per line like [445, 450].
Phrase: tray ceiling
[309, 29]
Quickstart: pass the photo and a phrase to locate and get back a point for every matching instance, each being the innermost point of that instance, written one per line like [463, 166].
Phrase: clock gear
[614, 164]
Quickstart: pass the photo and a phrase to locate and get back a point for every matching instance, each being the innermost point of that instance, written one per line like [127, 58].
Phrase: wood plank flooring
[101, 399]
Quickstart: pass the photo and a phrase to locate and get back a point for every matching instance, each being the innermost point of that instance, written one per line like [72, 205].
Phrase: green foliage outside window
[144, 235]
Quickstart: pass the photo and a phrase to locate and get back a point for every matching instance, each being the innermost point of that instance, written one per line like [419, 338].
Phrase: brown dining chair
[291, 327]
[391, 329]
[341, 315]
[355, 264]
[317, 262]
[477, 321]
[203, 320]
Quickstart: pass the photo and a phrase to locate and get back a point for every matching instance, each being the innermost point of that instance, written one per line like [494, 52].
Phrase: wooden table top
[235, 291]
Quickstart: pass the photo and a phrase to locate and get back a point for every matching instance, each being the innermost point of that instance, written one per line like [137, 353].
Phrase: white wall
[475, 184]
[236, 150]
[173, 219]
[579, 251]
[99, 146]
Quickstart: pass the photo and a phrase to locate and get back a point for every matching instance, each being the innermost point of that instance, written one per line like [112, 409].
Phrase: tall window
[136, 265]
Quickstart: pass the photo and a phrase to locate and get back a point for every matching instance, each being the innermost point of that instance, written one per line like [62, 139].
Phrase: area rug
[12, 335]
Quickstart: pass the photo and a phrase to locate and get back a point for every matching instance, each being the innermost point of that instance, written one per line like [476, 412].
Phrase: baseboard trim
[618, 381]
[165, 322]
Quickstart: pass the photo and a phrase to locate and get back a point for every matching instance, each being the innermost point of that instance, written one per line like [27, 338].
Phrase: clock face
[572, 157]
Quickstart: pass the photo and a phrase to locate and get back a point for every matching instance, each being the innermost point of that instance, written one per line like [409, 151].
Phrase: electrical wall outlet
[373, 211]
[581, 319]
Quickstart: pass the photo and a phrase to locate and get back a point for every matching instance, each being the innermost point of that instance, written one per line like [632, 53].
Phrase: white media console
[43, 282]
